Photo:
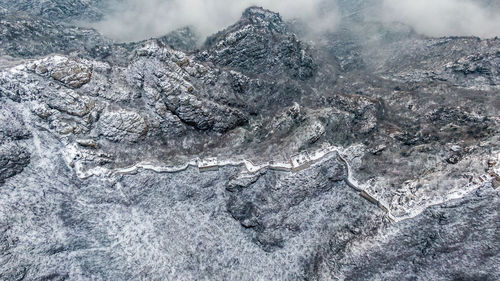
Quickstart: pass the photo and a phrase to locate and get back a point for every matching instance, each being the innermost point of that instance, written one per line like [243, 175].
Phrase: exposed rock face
[71, 103]
[122, 126]
[13, 156]
[480, 68]
[158, 160]
[70, 72]
[259, 43]
[27, 36]
[183, 39]
[471, 65]
[60, 10]
[13, 159]
[173, 82]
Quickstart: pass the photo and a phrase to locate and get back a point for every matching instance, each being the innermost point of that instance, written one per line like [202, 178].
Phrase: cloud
[445, 17]
[134, 20]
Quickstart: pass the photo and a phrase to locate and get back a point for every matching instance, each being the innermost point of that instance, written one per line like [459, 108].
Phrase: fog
[445, 17]
[141, 19]
[133, 20]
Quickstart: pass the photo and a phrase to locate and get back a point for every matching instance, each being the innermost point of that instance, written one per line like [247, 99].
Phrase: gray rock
[204, 115]
[13, 159]
[258, 43]
[65, 10]
[174, 76]
[100, 143]
[12, 128]
[13, 132]
[70, 72]
[27, 36]
[71, 103]
[123, 125]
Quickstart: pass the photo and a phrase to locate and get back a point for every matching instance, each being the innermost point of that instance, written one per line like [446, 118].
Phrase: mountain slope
[257, 156]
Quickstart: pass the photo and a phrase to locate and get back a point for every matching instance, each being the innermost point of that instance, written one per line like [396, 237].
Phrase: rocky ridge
[98, 182]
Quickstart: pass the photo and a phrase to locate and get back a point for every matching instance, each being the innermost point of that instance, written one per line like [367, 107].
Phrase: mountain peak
[260, 16]
[257, 43]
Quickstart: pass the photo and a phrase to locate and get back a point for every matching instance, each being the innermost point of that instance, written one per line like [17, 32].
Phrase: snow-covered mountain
[369, 153]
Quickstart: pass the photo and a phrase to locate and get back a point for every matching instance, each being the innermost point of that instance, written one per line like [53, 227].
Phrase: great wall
[295, 164]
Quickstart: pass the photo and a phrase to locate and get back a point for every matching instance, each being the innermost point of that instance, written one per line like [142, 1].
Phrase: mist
[445, 17]
[133, 20]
